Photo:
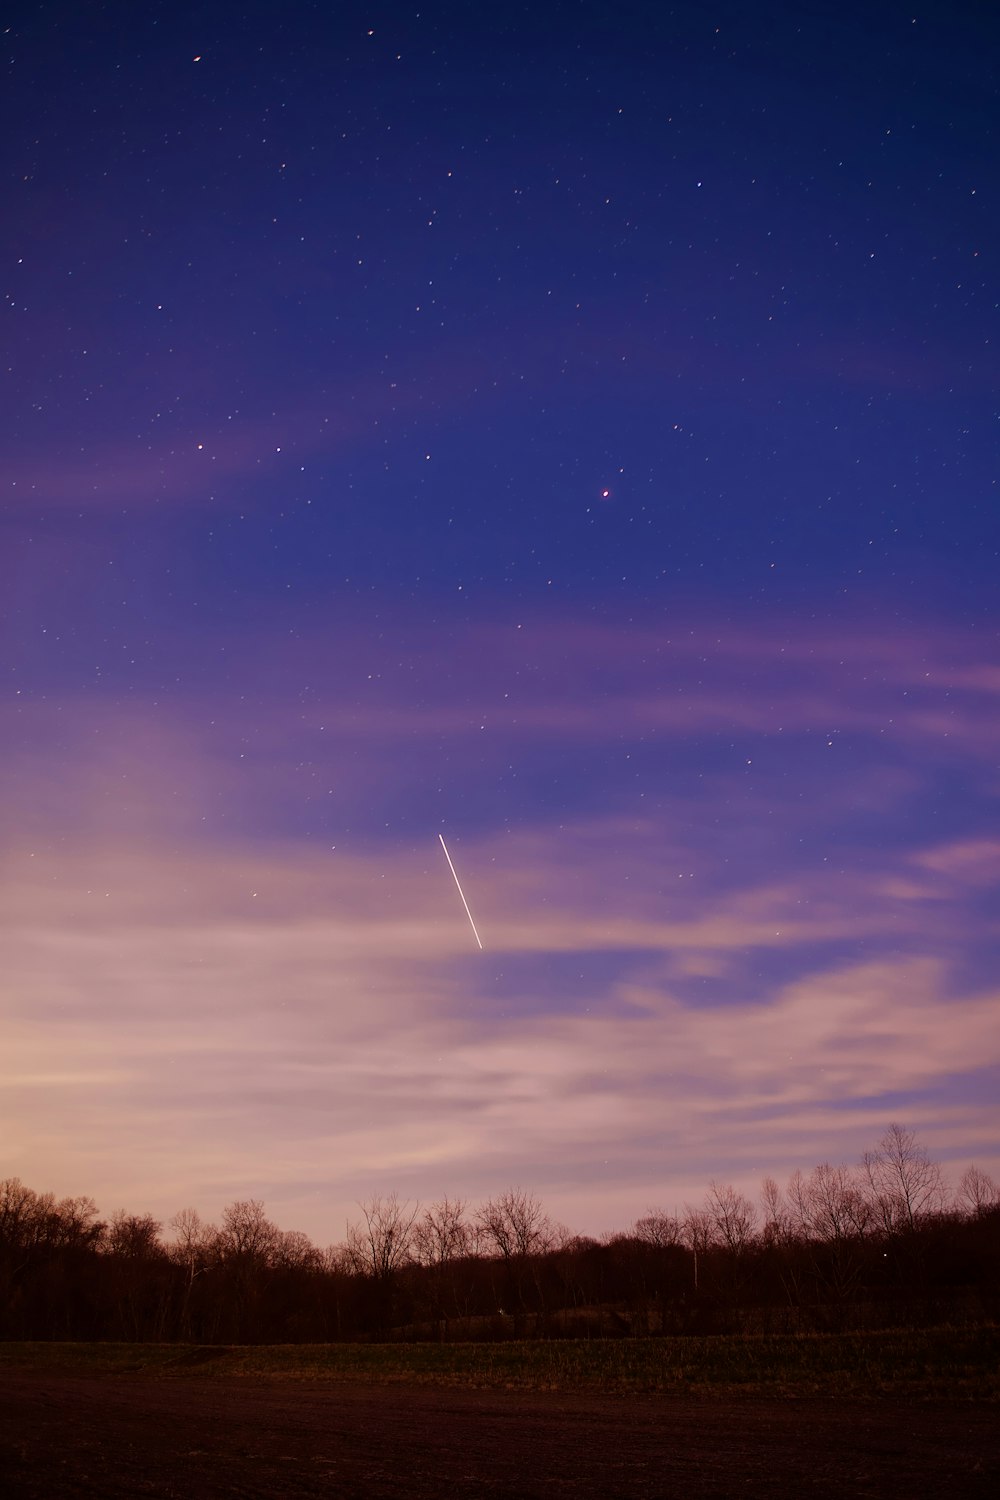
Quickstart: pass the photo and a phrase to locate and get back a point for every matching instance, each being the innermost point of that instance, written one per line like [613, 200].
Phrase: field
[908, 1415]
[943, 1362]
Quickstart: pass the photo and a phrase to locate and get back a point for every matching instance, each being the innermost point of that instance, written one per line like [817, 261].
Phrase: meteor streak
[465, 903]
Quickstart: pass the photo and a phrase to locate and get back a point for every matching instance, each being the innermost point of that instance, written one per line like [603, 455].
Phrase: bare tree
[442, 1234]
[977, 1192]
[383, 1244]
[654, 1264]
[194, 1246]
[193, 1239]
[699, 1236]
[18, 1211]
[138, 1290]
[733, 1217]
[780, 1234]
[831, 1212]
[247, 1234]
[378, 1250]
[23, 1214]
[443, 1241]
[244, 1251]
[133, 1236]
[338, 1260]
[657, 1227]
[829, 1205]
[71, 1221]
[903, 1183]
[295, 1251]
[698, 1229]
[515, 1225]
[777, 1225]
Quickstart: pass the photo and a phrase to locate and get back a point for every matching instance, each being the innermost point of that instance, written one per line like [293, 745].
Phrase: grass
[941, 1362]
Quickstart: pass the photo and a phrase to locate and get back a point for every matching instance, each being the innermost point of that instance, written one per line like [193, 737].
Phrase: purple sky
[573, 434]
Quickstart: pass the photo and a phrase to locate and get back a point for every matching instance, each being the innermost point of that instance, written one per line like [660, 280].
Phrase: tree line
[880, 1243]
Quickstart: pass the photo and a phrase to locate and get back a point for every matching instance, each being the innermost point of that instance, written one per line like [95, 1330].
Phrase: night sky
[567, 428]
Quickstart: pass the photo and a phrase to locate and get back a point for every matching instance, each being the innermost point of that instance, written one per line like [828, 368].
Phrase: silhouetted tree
[841, 1247]
[443, 1241]
[978, 1194]
[133, 1236]
[380, 1247]
[193, 1250]
[515, 1227]
[242, 1251]
[657, 1227]
[733, 1217]
[904, 1184]
[137, 1282]
[383, 1243]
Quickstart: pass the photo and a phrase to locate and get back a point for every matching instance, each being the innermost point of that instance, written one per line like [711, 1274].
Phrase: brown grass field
[901, 1415]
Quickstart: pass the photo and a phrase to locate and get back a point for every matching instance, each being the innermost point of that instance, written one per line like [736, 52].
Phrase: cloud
[973, 862]
[208, 461]
[181, 1033]
[235, 963]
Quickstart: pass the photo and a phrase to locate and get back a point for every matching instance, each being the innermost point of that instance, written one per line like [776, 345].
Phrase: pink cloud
[199, 1006]
[974, 862]
[323, 1028]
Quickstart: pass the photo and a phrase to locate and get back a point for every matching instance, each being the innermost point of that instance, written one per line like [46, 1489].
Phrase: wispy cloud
[712, 960]
[337, 1017]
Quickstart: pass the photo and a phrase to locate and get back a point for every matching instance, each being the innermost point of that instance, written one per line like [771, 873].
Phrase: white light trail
[465, 903]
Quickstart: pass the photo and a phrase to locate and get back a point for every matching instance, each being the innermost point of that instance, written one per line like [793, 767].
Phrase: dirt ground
[195, 1438]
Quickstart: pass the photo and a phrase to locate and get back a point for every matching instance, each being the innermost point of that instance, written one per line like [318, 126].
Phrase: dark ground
[135, 1436]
